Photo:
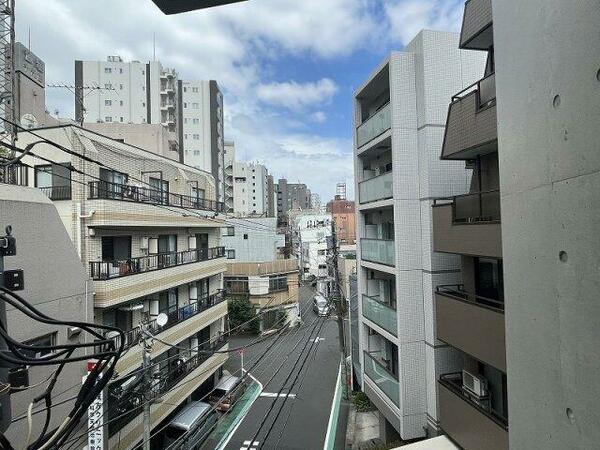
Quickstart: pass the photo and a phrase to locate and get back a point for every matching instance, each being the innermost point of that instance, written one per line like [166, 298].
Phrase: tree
[241, 310]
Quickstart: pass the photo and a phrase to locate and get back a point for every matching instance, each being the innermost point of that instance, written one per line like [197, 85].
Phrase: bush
[240, 310]
[362, 402]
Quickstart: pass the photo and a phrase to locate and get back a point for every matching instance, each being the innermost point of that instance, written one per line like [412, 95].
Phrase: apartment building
[271, 197]
[250, 189]
[201, 136]
[256, 272]
[400, 114]
[470, 315]
[291, 196]
[46, 254]
[228, 160]
[131, 92]
[344, 215]
[145, 229]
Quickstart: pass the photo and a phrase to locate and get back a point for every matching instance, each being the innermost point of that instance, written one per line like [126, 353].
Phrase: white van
[197, 418]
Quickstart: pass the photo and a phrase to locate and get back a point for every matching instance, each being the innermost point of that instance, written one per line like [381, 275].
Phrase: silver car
[320, 305]
[196, 418]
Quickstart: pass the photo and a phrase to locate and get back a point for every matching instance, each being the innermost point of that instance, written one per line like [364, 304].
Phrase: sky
[287, 68]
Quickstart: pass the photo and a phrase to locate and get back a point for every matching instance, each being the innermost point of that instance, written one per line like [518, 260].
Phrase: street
[309, 402]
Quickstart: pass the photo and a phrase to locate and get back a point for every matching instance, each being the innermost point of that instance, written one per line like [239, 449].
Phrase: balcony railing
[195, 307]
[382, 377]
[381, 251]
[380, 313]
[104, 190]
[377, 188]
[453, 382]
[126, 396]
[14, 174]
[57, 192]
[458, 292]
[374, 126]
[477, 207]
[105, 270]
[485, 90]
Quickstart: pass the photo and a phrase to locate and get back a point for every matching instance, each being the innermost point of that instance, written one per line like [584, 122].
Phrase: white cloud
[297, 96]
[318, 117]
[408, 17]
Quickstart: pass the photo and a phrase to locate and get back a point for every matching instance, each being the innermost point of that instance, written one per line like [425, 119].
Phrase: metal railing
[374, 126]
[458, 292]
[453, 382]
[378, 312]
[485, 89]
[476, 207]
[133, 336]
[15, 174]
[380, 251]
[376, 188]
[104, 190]
[126, 396]
[105, 270]
[385, 380]
[57, 192]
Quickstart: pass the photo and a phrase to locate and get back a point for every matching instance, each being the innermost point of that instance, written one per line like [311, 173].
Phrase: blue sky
[287, 67]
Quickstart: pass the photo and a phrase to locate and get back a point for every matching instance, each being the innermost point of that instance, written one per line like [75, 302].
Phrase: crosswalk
[249, 445]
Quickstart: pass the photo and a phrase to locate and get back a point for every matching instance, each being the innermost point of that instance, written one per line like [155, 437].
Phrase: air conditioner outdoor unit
[474, 384]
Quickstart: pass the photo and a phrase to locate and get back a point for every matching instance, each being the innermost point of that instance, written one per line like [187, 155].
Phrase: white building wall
[249, 189]
[254, 239]
[196, 124]
[422, 79]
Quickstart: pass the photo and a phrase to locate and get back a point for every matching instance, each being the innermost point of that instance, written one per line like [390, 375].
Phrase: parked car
[228, 390]
[198, 419]
[320, 305]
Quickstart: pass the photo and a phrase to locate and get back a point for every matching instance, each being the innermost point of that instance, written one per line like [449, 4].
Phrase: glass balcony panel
[487, 90]
[380, 251]
[384, 380]
[381, 314]
[377, 188]
[375, 125]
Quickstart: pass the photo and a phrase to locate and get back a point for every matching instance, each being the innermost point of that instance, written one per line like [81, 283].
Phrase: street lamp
[179, 6]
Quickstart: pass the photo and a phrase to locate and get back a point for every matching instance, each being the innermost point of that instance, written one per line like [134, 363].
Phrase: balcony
[133, 336]
[380, 251]
[15, 174]
[468, 423]
[471, 127]
[471, 323]
[380, 313]
[126, 395]
[377, 188]
[468, 224]
[385, 380]
[105, 270]
[57, 192]
[476, 32]
[374, 126]
[103, 190]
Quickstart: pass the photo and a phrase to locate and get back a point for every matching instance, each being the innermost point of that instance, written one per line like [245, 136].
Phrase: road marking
[254, 443]
[275, 394]
[317, 339]
[250, 446]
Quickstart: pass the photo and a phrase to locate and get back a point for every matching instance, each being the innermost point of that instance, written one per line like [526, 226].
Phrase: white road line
[317, 339]
[274, 394]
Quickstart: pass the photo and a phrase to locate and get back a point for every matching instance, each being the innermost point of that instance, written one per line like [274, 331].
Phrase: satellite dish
[29, 121]
[162, 319]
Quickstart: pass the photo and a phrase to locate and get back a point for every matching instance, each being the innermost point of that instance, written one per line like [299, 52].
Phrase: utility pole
[146, 363]
[336, 294]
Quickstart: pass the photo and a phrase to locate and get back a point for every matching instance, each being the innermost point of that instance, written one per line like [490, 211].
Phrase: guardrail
[57, 192]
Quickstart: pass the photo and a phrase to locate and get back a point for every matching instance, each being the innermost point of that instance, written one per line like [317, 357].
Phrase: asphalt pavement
[308, 404]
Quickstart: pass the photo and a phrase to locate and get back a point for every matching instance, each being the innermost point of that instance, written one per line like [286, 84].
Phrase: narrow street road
[310, 399]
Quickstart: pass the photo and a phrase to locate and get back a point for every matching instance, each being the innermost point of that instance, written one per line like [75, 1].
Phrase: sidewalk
[363, 429]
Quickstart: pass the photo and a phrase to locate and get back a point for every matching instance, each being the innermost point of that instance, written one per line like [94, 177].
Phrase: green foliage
[362, 402]
[240, 310]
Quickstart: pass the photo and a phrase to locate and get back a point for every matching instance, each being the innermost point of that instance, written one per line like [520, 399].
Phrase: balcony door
[54, 180]
[160, 190]
[168, 301]
[167, 247]
[112, 183]
[489, 282]
[202, 244]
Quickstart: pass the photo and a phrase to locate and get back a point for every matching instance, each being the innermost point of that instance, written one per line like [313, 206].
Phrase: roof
[227, 382]
[190, 415]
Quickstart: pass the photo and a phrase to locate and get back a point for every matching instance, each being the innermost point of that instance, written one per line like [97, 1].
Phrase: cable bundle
[105, 351]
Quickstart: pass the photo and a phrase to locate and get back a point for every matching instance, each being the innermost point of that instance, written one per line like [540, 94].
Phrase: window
[107, 102]
[322, 266]
[230, 254]
[195, 106]
[245, 235]
[144, 105]
[108, 119]
[198, 193]
[121, 119]
[185, 120]
[229, 231]
[489, 285]
[194, 89]
[185, 136]
[54, 180]
[120, 85]
[184, 89]
[160, 190]
[116, 248]
[107, 70]
[42, 341]
[196, 137]
[185, 104]
[278, 283]
[121, 71]
[196, 121]
[120, 102]
[196, 152]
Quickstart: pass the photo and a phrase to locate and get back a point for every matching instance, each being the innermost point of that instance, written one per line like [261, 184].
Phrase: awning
[436, 443]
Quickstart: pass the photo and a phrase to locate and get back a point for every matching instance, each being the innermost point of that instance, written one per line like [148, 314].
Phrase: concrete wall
[55, 282]
[254, 239]
[548, 87]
